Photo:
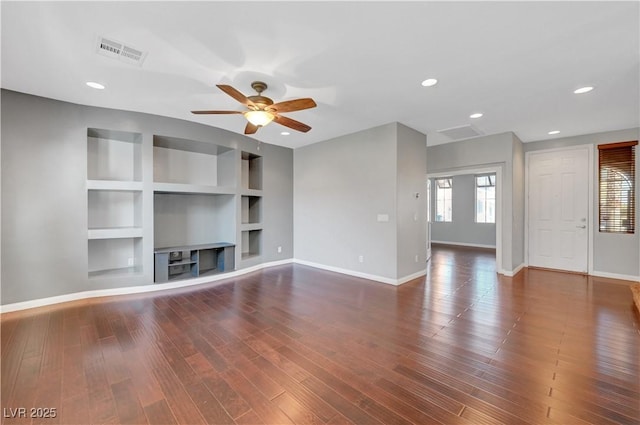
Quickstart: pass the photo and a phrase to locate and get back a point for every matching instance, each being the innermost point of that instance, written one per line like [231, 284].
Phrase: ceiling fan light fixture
[259, 118]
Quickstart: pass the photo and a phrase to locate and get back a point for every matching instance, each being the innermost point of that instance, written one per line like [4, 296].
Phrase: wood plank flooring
[298, 345]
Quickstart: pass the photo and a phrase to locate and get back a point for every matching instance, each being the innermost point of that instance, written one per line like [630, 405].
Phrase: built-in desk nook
[185, 262]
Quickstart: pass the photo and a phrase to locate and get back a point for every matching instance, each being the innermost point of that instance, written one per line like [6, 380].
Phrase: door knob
[582, 227]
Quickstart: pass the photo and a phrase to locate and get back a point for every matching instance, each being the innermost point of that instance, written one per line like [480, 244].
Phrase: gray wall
[340, 186]
[44, 195]
[411, 210]
[277, 202]
[343, 184]
[612, 253]
[518, 199]
[463, 228]
[489, 152]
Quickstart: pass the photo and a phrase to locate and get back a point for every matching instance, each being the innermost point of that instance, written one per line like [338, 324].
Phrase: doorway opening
[436, 225]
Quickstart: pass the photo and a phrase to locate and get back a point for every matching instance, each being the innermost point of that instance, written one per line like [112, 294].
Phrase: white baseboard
[7, 308]
[472, 245]
[615, 276]
[412, 276]
[382, 279]
[511, 273]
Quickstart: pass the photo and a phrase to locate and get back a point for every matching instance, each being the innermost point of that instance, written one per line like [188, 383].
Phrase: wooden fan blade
[288, 122]
[216, 112]
[293, 105]
[250, 128]
[235, 94]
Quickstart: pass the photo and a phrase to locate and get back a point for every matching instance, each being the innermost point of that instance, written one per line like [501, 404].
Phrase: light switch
[382, 218]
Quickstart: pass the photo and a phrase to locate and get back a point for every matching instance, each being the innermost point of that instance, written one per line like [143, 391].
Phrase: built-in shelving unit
[114, 203]
[251, 206]
[202, 198]
[195, 188]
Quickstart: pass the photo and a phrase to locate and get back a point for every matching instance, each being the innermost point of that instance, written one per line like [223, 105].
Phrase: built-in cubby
[251, 171]
[114, 209]
[251, 211]
[251, 243]
[193, 219]
[115, 257]
[114, 155]
[182, 165]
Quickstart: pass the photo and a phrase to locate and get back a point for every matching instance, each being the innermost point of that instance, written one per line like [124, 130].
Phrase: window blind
[617, 171]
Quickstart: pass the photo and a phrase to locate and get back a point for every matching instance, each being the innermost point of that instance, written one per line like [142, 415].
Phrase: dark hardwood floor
[294, 344]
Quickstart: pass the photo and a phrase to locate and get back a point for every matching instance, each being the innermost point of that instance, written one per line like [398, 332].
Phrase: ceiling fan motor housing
[260, 100]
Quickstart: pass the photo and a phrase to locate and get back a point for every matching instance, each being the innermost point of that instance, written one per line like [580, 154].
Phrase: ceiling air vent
[117, 50]
[462, 132]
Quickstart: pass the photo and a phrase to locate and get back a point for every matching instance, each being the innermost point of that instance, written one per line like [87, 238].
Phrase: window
[486, 198]
[444, 189]
[617, 175]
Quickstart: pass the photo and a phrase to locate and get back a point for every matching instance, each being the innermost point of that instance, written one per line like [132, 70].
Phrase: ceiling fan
[261, 109]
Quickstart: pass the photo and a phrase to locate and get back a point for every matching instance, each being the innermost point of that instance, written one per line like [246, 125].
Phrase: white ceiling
[363, 62]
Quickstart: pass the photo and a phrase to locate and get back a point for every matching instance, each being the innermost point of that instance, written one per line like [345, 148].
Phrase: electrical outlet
[361, 258]
[417, 259]
[279, 250]
[130, 262]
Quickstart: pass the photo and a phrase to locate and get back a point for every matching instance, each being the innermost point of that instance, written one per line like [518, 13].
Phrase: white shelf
[246, 227]
[115, 233]
[114, 185]
[249, 255]
[251, 192]
[121, 272]
[159, 187]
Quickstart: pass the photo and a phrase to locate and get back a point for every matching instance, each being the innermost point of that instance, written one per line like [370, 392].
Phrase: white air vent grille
[462, 132]
[117, 50]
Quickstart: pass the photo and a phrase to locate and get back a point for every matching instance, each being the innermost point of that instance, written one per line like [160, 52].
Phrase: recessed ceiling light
[476, 115]
[581, 90]
[554, 132]
[429, 82]
[285, 133]
[95, 85]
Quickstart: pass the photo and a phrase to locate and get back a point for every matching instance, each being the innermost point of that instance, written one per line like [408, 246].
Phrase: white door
[558, 209]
